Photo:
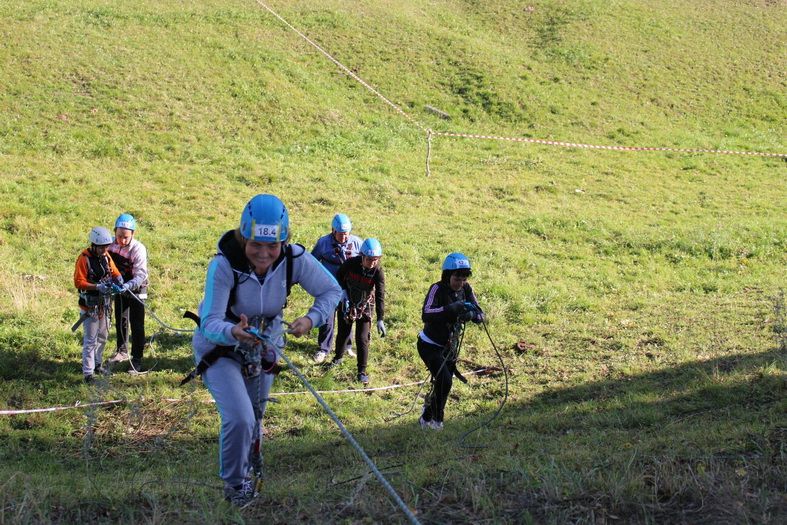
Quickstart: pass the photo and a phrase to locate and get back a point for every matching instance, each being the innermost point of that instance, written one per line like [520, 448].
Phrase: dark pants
[129, 311]
[362, 337]
[443, 376]
[325, 334]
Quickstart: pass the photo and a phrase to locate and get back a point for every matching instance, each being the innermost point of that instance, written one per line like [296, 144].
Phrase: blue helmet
[456, 261]
[265, 219]
[341, 223]
[127, 221]
[372, 248]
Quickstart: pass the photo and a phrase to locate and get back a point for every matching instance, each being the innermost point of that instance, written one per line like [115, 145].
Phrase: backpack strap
[288, 261]
[231, 299]
[289, 255]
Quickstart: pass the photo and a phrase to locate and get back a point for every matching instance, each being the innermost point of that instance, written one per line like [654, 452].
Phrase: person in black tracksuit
[363, 282]
[448, 302]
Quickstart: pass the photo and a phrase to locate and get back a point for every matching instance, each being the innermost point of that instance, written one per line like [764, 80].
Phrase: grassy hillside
[648, 287]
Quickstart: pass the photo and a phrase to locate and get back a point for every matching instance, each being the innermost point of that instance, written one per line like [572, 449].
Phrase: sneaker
[100, 370]
[363, 378]
[430, 425]
[119, 357]
[136, 365]
[335, 363]
[320, 356]
[89, 378]
[349, 351]
[241, 495]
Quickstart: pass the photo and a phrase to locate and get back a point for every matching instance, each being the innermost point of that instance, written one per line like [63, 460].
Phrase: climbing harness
[359, 301]
[98, 305]
[354, 310]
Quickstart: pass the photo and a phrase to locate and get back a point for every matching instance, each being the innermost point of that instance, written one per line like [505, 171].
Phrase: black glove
[465, 316]
[456, 308]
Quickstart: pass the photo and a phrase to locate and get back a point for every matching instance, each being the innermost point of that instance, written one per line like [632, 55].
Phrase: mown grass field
[648, 288]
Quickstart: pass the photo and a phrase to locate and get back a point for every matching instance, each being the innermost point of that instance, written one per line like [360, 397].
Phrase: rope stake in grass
[428, 151]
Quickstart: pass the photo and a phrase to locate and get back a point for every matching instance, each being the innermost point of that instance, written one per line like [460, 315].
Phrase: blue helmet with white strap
[341, 223]
[127, 221]
[265, 219]
[372, 248]
[456, 261]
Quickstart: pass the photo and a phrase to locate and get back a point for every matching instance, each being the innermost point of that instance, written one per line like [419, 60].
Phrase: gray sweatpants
[94, 340]
[240, 426]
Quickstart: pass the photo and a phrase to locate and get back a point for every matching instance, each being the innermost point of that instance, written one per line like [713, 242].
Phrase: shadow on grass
[33, 359]
[703, 442]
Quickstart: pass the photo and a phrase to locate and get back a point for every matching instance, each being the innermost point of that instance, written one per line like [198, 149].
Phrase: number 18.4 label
[266, 230]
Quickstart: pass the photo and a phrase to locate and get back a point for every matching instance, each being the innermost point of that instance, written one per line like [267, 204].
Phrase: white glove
[381, 328]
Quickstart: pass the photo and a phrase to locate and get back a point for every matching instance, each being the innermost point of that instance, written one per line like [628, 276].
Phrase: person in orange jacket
[94, 276]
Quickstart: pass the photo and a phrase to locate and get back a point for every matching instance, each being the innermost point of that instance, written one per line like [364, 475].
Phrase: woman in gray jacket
[245, 291]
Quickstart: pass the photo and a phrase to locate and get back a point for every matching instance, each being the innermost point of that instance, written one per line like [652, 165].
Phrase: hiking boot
[436, 425]
[89, 378]
[101, 370]
[334, 364]
[424, 423]
[136, 365]
[241, 495]
[363, 378]
[320, 356]
[119, 357]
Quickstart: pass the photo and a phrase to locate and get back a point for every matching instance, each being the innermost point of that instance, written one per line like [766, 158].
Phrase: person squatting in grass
[131, 258]
[445, 309]
[363, 283]
[246, 288]
[332, 251]
[94, 276]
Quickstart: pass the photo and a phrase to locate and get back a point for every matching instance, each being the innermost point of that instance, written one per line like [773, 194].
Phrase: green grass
[649, 287]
